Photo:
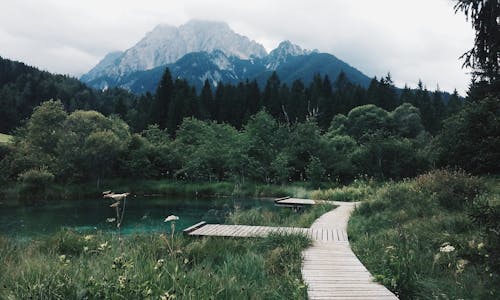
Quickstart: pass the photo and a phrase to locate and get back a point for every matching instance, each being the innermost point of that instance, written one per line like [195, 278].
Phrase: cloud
[411, 39]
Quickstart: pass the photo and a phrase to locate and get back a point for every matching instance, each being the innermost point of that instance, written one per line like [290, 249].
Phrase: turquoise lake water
[142, 214]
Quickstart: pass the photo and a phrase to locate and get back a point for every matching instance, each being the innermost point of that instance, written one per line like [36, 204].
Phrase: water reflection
[142, 214]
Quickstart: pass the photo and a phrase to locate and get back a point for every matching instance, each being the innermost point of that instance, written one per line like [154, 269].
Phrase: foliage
[420, 249]
[69, 265]
[34, 182]
[359, 190]
[279, 216]
[451, 189]
[484, 57]
[471, 138]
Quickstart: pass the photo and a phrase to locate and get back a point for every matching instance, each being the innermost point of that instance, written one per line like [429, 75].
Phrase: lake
[142, 214]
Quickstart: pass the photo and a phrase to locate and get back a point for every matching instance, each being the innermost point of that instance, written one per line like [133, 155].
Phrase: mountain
[203, 50]
[165, 44]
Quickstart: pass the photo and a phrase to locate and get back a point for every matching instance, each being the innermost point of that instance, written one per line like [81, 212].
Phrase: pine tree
[206, 100]
[161, 103]
[270, 97]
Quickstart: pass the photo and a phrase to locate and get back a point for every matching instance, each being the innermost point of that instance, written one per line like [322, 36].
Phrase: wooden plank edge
[194, 227]
[280, 199]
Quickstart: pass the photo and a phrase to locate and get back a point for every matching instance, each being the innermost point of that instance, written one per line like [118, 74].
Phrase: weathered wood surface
[331, 270]
[316, 234]
[295, 201]
[329, 267]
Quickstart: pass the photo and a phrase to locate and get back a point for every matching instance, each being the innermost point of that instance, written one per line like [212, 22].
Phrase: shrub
[345, 193]
[34, 182]
[451, 189]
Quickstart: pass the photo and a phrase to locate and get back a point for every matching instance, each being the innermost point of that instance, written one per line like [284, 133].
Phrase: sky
[410, 39]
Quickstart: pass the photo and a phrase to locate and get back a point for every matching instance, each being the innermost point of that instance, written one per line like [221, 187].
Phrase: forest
[327, 132]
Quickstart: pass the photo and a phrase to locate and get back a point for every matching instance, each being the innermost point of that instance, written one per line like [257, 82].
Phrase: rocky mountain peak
[166, 44]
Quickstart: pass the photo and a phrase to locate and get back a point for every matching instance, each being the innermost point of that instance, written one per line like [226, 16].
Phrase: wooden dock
[329, 267]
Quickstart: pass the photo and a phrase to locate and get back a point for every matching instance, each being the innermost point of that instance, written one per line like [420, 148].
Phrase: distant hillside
[23, 87]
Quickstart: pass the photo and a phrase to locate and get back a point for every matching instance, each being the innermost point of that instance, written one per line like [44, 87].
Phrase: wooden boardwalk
[316, 234]
[329, 267]
[332, 271]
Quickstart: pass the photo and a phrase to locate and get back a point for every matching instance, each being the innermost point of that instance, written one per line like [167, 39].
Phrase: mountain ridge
[207, 50]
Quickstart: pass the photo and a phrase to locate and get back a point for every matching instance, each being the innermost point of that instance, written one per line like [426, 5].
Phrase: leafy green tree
[366, 119]
[45, 127]
[338, 126]
[262, 135]
[407, 121]
[281, 168]
[304, 142]
[470, 139]
[337, 156]
[388, 157]
[315, 171]
[91, 146]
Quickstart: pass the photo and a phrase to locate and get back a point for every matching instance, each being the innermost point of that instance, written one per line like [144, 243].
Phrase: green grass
[279, 216]
[357, 191]
[5, 138]
[68, 265]
[401, 234]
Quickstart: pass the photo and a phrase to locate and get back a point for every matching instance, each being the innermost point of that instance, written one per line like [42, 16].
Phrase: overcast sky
[411, 39]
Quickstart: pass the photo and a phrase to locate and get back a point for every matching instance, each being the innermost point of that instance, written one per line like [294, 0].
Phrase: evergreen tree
[206, 100]
[271, 96]
[484, 57]
[162, 100]
[454, 104]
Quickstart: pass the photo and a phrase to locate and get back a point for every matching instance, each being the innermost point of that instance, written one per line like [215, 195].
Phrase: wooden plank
[194, 227]
[329, 267]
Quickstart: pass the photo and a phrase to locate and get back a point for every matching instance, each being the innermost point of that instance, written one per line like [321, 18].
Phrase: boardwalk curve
[330, 268]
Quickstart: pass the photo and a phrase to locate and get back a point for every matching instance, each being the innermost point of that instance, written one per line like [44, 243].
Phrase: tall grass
[279, 216]
[68, 265]
[418, 239]
[357, 191]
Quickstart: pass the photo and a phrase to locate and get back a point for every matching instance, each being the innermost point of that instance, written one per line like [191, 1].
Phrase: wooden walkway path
[332, 271]
[316, 234]
[329, 267]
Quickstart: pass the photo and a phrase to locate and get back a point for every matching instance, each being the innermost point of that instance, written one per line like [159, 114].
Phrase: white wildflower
[171, 218]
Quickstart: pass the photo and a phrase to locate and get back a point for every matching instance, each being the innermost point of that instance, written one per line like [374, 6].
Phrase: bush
[355, 192]
[452, 189]
[35, 182]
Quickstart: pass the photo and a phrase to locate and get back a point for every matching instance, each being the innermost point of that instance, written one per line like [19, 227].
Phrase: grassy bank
[434, 237]
[265, 216]
[68, 265]
[160, 187]
[358, 190]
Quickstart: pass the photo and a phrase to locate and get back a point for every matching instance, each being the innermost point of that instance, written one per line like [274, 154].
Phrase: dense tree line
[86, 145]
[322, 99]
[22, 88]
